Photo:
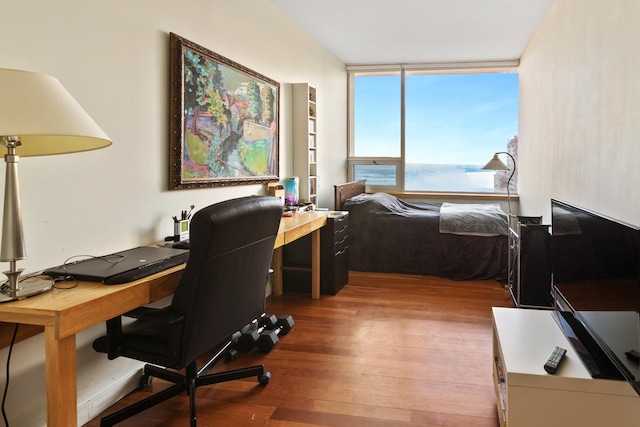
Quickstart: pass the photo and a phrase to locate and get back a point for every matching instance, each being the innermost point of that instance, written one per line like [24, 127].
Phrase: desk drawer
[341, 245]
[340, 273]
[341, 233]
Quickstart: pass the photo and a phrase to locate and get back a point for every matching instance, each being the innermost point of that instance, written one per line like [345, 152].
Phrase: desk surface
[301, 224]
[89, 303]
[67, 308]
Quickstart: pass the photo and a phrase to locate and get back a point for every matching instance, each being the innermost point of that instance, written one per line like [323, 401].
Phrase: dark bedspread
[391, 235]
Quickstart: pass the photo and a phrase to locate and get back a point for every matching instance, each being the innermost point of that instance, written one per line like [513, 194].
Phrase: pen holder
[181, 230]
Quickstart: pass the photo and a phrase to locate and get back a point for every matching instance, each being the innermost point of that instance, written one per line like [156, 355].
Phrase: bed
[458, 242]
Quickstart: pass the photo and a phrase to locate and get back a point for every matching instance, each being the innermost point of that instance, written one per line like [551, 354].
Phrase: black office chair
[222, 289]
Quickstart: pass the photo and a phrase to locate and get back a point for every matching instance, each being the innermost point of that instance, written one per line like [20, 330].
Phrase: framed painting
[223, 123]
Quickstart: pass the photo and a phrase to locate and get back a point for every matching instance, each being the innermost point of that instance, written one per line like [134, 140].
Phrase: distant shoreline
[432, 177]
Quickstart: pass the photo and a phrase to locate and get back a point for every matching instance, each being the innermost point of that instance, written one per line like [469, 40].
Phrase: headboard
[344, 191]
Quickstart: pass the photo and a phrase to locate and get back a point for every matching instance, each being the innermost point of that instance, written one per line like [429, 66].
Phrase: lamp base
[25, 289]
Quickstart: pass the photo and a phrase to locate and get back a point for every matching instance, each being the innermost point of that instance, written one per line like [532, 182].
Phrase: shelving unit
[527, 396]
[305, 141]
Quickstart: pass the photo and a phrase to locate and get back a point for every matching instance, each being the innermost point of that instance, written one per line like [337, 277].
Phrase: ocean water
[431, 177]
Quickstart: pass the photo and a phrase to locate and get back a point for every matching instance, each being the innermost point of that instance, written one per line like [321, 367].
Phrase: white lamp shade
[36, 108]
[38, 117]
[496, 164]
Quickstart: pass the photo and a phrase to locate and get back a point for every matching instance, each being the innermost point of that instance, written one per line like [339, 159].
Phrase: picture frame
[224, 120]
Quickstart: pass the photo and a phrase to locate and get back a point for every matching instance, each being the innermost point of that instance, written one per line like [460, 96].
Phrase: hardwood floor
[388, 350]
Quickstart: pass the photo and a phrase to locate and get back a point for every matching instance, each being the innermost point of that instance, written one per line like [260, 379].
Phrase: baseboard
[124, 385]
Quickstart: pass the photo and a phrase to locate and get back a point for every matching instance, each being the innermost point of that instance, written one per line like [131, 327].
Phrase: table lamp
[38, 117]
[496, 164]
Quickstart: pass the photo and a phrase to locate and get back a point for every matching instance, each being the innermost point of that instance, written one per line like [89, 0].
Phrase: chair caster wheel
[145, 380]
[232, 355]
[264, 378]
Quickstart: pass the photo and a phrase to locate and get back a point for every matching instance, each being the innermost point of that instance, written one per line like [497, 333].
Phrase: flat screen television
[596, 287]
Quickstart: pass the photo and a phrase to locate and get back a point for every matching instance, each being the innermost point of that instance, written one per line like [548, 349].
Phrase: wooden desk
[292, 228]
[65, 312]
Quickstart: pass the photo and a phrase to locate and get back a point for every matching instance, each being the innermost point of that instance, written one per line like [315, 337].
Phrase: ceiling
[418, 31]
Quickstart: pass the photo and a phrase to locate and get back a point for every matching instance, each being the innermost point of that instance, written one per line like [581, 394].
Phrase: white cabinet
[305, 141]
[529, 397]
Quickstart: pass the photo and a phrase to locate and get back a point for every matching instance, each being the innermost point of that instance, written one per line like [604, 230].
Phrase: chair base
[188, 383]
[183, 384]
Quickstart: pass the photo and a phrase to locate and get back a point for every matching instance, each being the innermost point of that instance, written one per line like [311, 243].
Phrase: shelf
[305, 153]
[501, 391]
[312, 94]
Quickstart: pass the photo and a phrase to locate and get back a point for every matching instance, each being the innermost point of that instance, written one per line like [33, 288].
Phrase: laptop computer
[122, 267]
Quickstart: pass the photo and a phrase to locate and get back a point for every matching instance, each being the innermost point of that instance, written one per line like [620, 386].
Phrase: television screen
[596, 275]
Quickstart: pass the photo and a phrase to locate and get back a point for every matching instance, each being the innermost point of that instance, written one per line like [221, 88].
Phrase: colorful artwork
[224, 120]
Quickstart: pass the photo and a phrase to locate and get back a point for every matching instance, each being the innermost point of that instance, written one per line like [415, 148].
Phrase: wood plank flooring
[388, 350]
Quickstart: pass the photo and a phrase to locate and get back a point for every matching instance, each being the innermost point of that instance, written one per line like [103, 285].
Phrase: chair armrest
[113, 338]
[163, 317]
[159, 316]
[139, 312]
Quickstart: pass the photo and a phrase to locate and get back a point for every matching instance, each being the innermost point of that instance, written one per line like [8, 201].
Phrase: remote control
[554, 360]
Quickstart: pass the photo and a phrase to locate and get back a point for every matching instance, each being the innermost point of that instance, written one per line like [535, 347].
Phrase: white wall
[580, 109]
[112, 56]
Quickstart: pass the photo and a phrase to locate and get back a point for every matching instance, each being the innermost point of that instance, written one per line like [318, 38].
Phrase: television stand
[529, 397]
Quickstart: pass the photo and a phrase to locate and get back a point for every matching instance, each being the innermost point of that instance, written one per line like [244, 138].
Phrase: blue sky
[451, 119]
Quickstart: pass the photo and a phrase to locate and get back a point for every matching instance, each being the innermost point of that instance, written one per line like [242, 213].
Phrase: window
[416, 129]
[377, 115]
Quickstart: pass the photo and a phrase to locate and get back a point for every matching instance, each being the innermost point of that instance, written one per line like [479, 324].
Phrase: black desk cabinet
[334, 258]
[334, 254]
[530, 266]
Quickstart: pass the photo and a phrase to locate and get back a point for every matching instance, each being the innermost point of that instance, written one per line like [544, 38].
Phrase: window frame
[378, 161]
[413, 69]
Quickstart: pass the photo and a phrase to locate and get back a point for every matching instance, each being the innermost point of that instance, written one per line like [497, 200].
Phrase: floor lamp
[496, 164]
[38, 117]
